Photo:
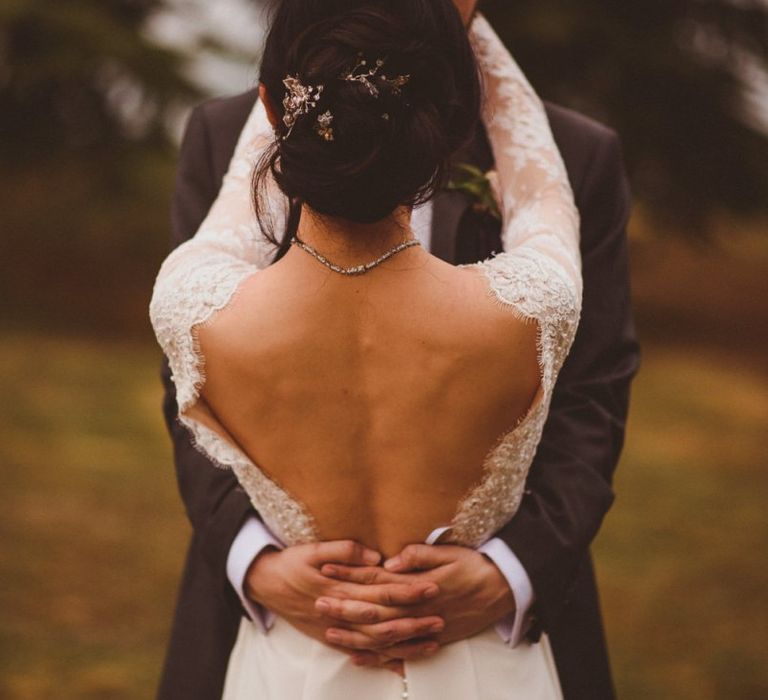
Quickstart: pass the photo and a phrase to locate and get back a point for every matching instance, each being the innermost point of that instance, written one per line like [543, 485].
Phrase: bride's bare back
[373, 400]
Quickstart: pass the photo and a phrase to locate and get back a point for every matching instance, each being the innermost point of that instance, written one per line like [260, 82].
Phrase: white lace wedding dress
[537, 276]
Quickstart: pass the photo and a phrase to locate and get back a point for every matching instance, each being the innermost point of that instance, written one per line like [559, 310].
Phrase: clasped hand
[381, 613]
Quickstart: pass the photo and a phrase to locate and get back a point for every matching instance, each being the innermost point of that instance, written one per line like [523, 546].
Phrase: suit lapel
[450, 207]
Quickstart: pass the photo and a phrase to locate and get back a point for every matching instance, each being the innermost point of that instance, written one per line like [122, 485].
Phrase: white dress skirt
[285, 664]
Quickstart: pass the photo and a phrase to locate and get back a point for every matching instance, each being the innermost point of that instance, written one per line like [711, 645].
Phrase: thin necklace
[356, 269]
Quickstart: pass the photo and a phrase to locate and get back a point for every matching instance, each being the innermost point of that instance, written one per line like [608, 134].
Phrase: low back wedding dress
[537, 278]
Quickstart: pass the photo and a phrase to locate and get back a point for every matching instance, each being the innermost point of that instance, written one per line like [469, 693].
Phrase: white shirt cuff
[510, 629]
[252, 540]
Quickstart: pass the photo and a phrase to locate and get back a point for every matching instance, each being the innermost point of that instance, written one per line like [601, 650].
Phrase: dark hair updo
[387, 151]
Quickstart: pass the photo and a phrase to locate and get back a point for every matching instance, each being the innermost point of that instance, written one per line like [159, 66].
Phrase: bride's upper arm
[539, 273]
[201, 276]
[537, 202]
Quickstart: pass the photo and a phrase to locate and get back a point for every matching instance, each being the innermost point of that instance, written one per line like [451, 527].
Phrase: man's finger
[358, 613]
[364, 575]
[343, 552]
[387, 594]
[420, 557]
[407, 651]
[351, 639]
[386, 634]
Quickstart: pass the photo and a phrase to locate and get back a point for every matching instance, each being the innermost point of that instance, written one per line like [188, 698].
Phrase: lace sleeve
[539, 272]
[201, 276]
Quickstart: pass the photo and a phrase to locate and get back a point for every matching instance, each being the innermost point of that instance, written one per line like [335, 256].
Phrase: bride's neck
[349, 243]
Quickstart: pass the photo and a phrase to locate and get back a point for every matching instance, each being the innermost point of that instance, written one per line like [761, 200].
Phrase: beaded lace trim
[537, 277]
[200, 278]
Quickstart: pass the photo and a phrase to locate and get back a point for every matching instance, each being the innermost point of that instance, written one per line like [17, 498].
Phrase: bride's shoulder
[214, 126]
[254, 312]
[467, 300]
[226, 111]
[565, 121]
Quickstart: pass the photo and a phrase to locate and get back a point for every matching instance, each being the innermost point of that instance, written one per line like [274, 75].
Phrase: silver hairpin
[324, 125]
[300, 99]
[362, 74]
[396, 83]
[353, 76]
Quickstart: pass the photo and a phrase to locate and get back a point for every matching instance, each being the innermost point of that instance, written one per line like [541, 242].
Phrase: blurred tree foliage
[86, 99]
[87, 162]
[80, 74]
[669, 76]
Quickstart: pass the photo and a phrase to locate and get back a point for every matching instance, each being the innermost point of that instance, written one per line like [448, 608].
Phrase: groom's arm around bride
[568, 490]
[569, 487]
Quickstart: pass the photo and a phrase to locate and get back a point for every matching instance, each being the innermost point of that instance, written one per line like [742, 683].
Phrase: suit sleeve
[215, 503]
[569, 489]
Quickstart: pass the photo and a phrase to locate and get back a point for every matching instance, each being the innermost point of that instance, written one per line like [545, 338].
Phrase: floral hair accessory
[362, 74]
[301, 99]
[323, 126]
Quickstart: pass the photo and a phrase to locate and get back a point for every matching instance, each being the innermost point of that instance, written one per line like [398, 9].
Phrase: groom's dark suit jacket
[569, 487]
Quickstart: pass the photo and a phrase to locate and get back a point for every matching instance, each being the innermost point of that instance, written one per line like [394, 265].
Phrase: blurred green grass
[681, 557]
[94, 532]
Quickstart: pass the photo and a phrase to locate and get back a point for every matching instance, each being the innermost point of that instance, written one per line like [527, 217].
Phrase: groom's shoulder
[574, 128]
[572, 124]
[232, 111]
[581, 139]
[585, 144]
[215, 125]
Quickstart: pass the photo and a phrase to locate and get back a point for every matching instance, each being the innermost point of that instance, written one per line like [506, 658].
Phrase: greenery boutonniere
[481, 188]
